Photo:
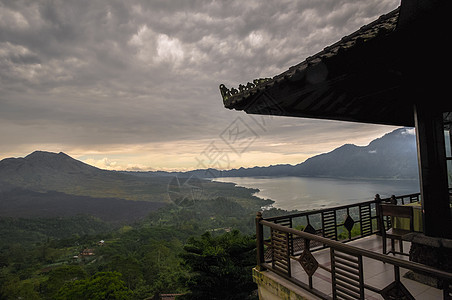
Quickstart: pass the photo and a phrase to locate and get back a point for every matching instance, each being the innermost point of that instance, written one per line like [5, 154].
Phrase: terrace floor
[376, 273]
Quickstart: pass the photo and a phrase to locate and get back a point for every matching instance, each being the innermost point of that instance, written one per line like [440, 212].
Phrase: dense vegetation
[204, 249]
[220, 265]
[72, 231]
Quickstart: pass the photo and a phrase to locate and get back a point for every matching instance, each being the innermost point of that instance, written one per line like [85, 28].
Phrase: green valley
[62, 237]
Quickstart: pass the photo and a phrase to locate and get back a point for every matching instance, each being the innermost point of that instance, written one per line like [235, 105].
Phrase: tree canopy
[100, 286]
[221, 266]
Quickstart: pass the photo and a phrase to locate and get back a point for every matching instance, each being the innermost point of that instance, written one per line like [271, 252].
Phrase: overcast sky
[134, 84]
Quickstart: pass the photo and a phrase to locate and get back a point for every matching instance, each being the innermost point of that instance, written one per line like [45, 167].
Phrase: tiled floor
[376, 273]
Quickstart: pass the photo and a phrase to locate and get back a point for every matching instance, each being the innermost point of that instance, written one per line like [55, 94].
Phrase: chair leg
[392, 246]
[384, 244]
[401, 245]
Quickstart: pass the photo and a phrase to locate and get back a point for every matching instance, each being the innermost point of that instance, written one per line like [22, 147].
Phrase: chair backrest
[400, 211]
[396, 210]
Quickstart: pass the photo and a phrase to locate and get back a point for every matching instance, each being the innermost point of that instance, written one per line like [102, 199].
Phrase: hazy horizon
[90, 162]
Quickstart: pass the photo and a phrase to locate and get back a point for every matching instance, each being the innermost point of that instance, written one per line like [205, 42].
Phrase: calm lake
[303, 193]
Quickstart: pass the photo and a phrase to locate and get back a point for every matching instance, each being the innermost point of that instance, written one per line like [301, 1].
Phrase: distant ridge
[392, 156]
[44, 171]
[46, 184]
[42, 162]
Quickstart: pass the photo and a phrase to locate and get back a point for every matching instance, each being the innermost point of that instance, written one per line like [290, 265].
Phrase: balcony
[336, 253]
[370, 76]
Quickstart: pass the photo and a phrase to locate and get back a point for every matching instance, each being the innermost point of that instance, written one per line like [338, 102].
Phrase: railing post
[393, 200]
[259, 242]
[377, 210]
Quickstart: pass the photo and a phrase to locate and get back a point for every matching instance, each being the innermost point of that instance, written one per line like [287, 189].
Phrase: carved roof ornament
[250, 86]
[360, 78]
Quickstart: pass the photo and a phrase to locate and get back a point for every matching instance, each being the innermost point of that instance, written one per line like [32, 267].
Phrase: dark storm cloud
[140, 71]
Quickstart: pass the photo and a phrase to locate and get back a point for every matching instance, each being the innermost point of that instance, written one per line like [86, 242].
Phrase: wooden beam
[432, 171]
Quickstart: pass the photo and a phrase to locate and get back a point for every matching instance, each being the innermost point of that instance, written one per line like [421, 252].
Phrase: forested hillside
[83, 257]
[43, 171]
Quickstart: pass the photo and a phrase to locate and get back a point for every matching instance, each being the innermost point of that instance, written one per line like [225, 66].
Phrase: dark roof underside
[357, 79]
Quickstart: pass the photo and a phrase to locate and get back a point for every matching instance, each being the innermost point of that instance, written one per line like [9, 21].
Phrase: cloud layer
[92, 76]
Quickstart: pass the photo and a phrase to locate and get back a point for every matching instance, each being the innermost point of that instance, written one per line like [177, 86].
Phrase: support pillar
[259, 242]
[432, 172]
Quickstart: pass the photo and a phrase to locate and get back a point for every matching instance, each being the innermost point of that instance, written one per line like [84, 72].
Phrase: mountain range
[55, 184]
[46, 171]
[393, 156]
[46, 184]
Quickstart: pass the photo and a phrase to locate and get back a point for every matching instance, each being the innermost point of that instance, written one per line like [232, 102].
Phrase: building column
[432, 171]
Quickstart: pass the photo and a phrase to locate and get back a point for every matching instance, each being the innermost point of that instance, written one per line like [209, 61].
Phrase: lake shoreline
[322, 177]
[306, 193]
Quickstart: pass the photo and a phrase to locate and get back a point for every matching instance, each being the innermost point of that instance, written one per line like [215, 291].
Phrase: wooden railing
[404, 199]
[347, 222]
[280, 239]
[344, 223]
